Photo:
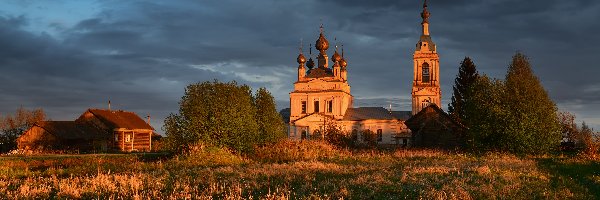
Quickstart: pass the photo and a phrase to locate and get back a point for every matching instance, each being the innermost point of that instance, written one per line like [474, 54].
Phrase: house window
[303, 136]
[316, 106]
[330, 106]
[303, 107]
[379, 135]
[425, 78]
[116, 137]
[128, 138]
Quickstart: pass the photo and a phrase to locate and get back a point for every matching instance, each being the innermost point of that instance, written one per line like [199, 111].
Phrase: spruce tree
[270, 124]
[532, 121]
[467, 75]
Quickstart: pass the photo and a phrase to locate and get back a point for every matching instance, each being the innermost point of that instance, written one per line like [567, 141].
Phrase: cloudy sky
[67, 56]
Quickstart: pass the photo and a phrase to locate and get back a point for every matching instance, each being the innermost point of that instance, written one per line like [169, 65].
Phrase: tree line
[513, 115]
[12, 126]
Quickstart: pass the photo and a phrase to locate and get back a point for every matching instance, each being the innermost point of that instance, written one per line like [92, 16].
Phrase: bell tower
[426, 84]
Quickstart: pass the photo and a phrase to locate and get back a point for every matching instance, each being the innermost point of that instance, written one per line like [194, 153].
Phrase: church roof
[319, 73]
[426, 38]
[365, 113]
[402, 115]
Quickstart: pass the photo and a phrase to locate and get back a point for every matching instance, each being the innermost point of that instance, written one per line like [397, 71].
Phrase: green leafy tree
[515, 115]
[270, 124]
[533, 123]
[486, 115]
[589, 140]
[12, 126]
[467, 75]
[221, 114]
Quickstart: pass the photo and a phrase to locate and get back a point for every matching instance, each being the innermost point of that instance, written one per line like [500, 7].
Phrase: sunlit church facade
[322, 97]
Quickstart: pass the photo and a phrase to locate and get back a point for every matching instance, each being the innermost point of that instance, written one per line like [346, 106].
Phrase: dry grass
[301, 171]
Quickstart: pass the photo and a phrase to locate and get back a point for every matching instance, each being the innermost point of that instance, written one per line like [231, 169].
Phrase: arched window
[425, 78]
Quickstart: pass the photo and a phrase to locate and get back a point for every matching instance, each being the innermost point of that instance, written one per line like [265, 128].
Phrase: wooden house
[95, 130]
[433, 128]
[63, 135]
[128, 130]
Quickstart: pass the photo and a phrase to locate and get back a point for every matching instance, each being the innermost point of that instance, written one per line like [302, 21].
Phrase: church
[322, 95]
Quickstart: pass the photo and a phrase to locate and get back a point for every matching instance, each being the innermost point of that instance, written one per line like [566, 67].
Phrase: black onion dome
[310, 63]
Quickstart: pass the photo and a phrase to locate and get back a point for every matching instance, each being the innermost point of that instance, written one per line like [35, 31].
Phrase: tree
[221, 114]
[270, 125]
[224, 115]
[486, 115]
[515, 115]
[11, 127]
[467, 75]
[568, 127]
[590, 142]
[533, 124]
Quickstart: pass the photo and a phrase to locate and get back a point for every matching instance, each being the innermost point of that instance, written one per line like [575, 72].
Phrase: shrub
[304, 150]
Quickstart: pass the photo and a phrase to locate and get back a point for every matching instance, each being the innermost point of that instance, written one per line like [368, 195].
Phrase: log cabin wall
[36, 138]
[133, 140]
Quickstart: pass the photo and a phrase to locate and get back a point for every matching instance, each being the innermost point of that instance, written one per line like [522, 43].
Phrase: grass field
[300, 171]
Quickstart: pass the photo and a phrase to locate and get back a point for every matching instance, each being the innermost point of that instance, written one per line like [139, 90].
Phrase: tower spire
[425, 15]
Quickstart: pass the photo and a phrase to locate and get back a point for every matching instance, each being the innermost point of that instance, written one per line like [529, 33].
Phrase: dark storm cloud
[141, 54]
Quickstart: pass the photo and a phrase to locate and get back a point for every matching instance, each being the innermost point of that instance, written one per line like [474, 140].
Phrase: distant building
[433, 128]
[95, 130]
[322, 95]
[426, 81]
[62, 135]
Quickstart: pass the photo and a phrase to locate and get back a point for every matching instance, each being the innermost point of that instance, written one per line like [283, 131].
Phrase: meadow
[307, 170]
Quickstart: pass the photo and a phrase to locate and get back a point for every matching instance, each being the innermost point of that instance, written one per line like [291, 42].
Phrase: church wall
[341, 101]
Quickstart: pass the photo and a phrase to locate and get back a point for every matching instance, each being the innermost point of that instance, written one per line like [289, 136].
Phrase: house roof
[402, 115]
[413, 122]
[120, 119]
[364, 113]
[69, 130]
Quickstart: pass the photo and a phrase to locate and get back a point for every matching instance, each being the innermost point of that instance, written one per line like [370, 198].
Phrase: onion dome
[310, 63]
[301, 59]
[336, 57]
[322, 44]
[343, 63]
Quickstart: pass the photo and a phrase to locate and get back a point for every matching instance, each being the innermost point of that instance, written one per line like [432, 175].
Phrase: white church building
[322, 95]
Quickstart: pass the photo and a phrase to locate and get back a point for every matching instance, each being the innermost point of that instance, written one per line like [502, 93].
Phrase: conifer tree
[467, 75]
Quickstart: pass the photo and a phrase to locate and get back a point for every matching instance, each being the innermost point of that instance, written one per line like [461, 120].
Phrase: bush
[200, 154]
[304, 150]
